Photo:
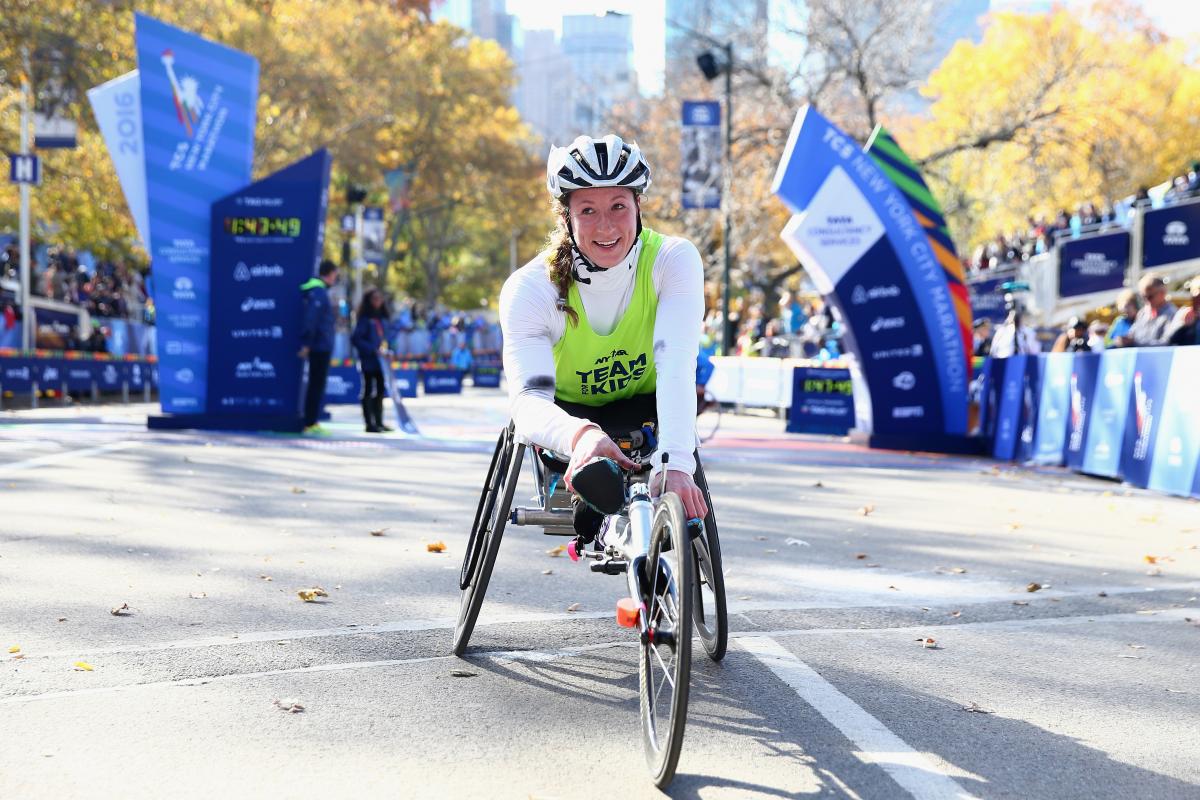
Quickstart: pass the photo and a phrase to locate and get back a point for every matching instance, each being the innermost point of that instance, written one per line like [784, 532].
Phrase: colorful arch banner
[861, 240]
[895, 163]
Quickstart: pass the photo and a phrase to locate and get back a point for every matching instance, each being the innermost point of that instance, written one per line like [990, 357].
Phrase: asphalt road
[840, 563]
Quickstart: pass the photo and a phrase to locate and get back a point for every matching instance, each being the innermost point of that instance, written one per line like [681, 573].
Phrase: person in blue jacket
[369, 339]
[316, 340]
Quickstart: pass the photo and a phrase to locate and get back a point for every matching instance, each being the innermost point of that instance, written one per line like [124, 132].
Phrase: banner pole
[26, 262]
[726, 202]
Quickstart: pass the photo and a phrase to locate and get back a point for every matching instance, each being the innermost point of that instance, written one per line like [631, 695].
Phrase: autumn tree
[1048, 111]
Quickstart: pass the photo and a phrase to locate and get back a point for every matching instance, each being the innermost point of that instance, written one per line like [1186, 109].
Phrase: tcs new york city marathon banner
[861, 240]
[198, 113]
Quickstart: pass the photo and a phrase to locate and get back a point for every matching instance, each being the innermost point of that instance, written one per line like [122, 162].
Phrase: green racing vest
[595, 370]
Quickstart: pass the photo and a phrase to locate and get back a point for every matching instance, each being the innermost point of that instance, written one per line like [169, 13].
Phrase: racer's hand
[685, 486]
[303, 352]
[593, 443]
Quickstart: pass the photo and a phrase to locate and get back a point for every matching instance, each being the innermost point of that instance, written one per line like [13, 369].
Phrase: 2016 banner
[860, 240]
[1093, 264]
[198, 102]
[700, 145]
[117, 106]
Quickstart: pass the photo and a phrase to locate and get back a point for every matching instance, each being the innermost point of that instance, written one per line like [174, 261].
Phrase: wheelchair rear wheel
[491, 514]
[708, 605]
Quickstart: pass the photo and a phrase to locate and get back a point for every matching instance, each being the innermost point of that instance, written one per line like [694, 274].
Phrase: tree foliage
[1048, 111]
[373, 80]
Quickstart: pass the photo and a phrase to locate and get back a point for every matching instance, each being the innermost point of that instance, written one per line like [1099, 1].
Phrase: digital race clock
[262, 226]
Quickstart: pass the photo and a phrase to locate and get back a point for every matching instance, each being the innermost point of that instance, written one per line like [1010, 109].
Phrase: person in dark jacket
[368, 339]
[316, 340]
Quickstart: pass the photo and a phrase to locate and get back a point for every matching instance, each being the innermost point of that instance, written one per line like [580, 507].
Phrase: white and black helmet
[588, 162]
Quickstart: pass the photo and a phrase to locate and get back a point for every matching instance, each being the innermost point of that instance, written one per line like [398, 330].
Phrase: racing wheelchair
[672, 565]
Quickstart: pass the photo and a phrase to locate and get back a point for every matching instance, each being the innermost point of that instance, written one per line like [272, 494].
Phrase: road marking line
[915, 772]
[55, 458]
[1156, 615]
[422, 625]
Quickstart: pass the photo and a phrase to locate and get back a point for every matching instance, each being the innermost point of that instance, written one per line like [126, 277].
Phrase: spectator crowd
[1041, 232]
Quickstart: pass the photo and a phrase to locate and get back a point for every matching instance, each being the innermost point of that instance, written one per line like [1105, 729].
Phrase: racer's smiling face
[604, 220]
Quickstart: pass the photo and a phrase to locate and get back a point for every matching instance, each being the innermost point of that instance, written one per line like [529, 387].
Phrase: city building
[544, 81]
[599, 49]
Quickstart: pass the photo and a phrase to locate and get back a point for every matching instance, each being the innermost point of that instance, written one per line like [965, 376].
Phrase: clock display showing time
[262, 226]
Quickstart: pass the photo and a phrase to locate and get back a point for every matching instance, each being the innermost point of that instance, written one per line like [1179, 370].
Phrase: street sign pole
[27, 341]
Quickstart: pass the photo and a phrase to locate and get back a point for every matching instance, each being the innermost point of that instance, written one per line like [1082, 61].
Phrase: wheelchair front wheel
[665, 665]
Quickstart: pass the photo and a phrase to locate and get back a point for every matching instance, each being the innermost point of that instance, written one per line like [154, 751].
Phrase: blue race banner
[1110, 406]
[117, 106]
[700, 146]
[442, 381]
[991, 377]
[1011, 408]
[1171, 235]
[198, 112]
[1093, 264]
[485, 377]
[1084, 370]
[822, 401]
[860, 241]
[1151, 371]
[987, 300]
[267, 241]
[1177, 451]
[343, 386]
[18, 374]
[1053, 409]
[406, 381]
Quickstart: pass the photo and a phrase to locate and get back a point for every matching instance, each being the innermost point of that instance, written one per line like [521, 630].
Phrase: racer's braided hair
[560, 256]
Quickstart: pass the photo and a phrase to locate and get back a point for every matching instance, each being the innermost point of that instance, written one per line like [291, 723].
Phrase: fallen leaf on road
[760, 538]
[197, 595]
[555, 552]
[866, 510]
[463, 673]
[744, 597]
[265, 577]
[958, 570]
[297, 490]
[436, 547]
[1150, 559]
[288, 705]
[379, 531]
[928, 643]
[797, 543]
[1020, 602]
[547, 572]
[1033, 587]
[1137, 647]
[311, 595]
[1013, 526]
[573, 607]
[1127, 655]
[83, 666]
[860, 555]
[1102, 594]
[122, 610]
[14, 649]
[770, 551]
[893, 588]
[871, 565]
[818, 485]
[62, 619]
[956, 613]
[975, 708]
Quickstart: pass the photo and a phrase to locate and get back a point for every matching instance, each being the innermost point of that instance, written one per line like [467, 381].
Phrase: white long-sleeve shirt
[533, 323]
